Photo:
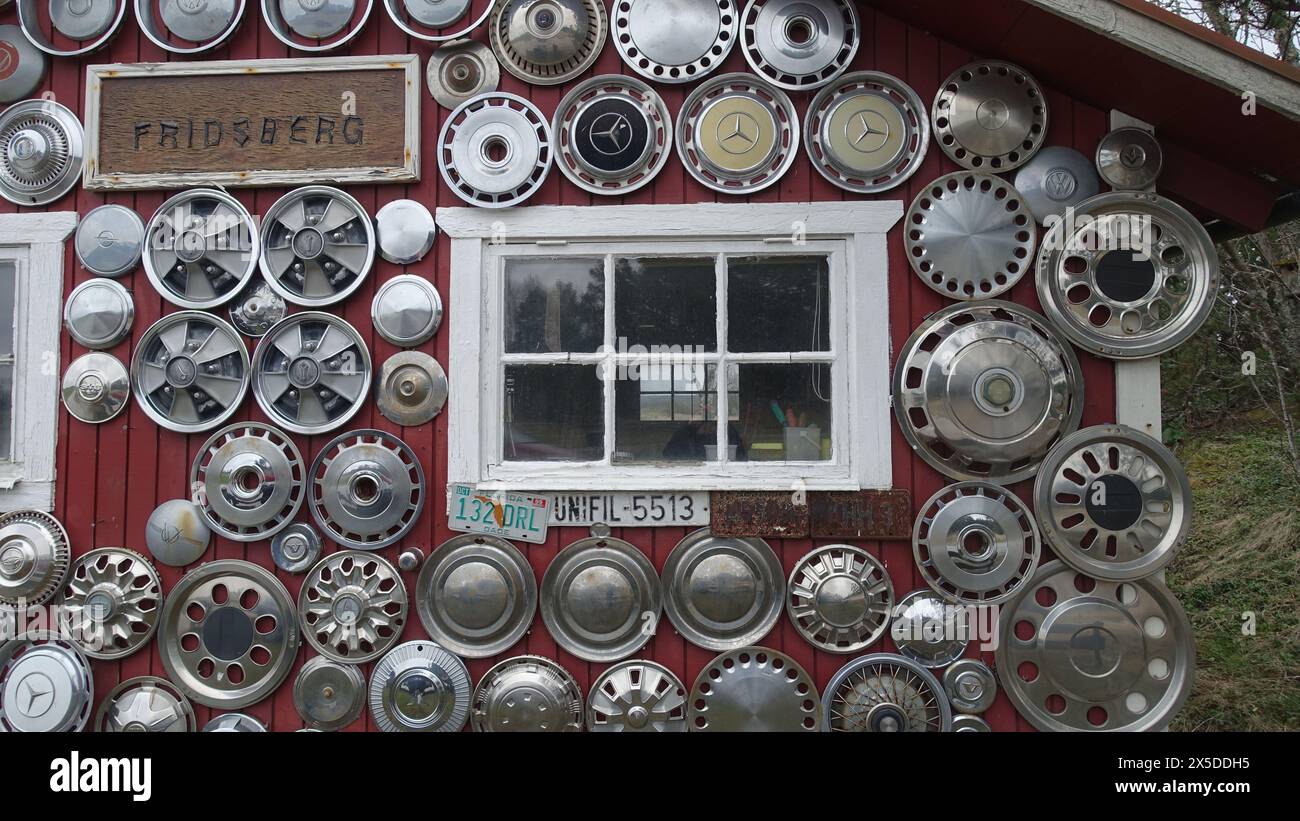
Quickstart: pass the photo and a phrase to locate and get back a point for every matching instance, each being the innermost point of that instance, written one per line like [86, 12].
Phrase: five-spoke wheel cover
[311, 372]
[190, 371]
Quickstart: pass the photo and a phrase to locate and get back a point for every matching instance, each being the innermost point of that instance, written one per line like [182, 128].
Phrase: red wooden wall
[111, 476]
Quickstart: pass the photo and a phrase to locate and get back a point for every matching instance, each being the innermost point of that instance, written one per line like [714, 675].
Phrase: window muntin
[657, 370]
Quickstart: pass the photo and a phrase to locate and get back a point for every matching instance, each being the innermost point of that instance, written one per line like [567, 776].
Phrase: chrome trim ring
[110, 602]
[1113, 503]
[318, 245]
[30, 20]
[352, 606]
[229, 634]
[190, 371]
[311, 372]
[399, 19]
[975, 543]
[476, 595]
[201, 248]
[367, 489]
[990, 115]
[883, 693]
[252, 481]
[275, 21]
[1082, 654]
[970, 236]
[637, 696]
[839, 598]
[1133, 275]
[983, 390]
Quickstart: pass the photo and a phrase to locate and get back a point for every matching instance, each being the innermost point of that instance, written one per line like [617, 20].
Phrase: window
[31, 288]
[670, 347]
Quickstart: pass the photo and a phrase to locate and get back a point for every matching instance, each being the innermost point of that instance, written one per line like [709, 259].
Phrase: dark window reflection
[785, 412]
[778, 303]
[553, 413]
[554, 305]
[666, 302]
[670, 414]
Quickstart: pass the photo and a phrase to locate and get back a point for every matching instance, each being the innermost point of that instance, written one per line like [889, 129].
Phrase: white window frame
[34, 243]
[853, 233]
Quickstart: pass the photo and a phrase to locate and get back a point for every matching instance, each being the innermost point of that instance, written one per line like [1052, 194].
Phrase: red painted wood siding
[111, 476]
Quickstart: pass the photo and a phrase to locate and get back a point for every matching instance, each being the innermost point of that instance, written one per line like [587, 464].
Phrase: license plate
[501, 513]
[630, 509]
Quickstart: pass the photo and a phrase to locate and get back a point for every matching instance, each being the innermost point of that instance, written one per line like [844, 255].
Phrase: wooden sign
[253, 122]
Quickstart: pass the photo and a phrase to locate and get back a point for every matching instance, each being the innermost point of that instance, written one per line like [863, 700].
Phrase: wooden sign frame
[97, 178]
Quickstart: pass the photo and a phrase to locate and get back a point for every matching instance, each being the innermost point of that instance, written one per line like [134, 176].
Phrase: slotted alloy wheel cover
[527, 694]
[190, 371]
[367, 489]
[495, 150]
[1113, 503]
[311, 372]
[601, 599]
[674, 41]
[548, 42]
[613, 134]
[200, 653]
[420, 687]
[145, 704]
[1134, 275]
[1119, 657]
[253, 481]
[637, 696]
[352, 606]
[318, 244]
[983, 390]
[723, 593]
[754, 689]
[201, 248]
[799, 44]
[476, 595]
[970, 236]
[990, 116]
[975, 543]
[884, 692]
[111, 602]
[839, 598]
[867, 132]
[737, 134]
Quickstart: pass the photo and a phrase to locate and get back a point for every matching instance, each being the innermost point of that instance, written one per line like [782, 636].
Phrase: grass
[1243, 556]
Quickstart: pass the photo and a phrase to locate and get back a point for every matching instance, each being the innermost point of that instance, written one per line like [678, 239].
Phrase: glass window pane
[668, 420]
[778, 303]
[665, 302]
[554, 305]
[6, 412]
[784, 412]
[554, 413]
[8, 296]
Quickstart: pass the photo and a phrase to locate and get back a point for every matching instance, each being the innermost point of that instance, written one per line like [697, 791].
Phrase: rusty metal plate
[867, 514]
[765, 514]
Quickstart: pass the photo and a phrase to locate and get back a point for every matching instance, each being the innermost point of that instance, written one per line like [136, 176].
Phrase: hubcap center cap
[308, 243]
[181, 372]
[304, 372]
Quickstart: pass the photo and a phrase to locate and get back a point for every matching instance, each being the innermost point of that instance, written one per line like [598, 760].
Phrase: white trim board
[1183, 51]
[37, 242]
[856, 233]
